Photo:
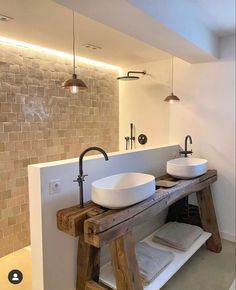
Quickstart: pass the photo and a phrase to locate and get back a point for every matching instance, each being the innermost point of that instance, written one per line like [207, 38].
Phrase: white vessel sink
[121, 190]
[187, 167]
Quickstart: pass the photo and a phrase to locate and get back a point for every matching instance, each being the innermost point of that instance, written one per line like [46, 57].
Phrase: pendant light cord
[73, 42]
[172, 75]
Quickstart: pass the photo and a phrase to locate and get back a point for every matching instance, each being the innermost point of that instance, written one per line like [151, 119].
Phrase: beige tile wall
[40, 122]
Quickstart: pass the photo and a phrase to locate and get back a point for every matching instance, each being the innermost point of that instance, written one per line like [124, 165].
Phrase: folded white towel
[151, 261]
[177, 235]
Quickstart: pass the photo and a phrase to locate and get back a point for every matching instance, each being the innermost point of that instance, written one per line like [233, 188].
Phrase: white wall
[54, 252]
[141, 103]
[207, 113]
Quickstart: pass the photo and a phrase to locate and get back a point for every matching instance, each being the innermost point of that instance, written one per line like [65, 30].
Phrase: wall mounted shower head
[128, 77]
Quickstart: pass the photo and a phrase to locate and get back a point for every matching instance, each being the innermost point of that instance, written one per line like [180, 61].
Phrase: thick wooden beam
[100, 225]
[113, 224]
[180, 193]
[118, 230]
[88, 264]
[208, 219]
[71, 220]
[183, 188]
[125, 264]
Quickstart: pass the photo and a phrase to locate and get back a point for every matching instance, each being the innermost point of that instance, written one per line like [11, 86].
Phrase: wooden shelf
[180, 258]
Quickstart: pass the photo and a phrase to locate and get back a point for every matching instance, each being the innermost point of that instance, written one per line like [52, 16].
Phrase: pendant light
[74, 84]
[172, 98]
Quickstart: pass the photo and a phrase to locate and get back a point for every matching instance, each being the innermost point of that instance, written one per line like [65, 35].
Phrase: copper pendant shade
[172, 98]
[74, 84]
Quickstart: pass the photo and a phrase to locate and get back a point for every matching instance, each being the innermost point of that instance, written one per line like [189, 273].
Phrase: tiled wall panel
[40, 122]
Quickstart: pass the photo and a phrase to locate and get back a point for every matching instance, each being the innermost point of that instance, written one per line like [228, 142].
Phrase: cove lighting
[57, 53]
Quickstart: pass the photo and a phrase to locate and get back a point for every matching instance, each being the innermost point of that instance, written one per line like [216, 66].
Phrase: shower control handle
[142, 139]
[132, 135]
[126, 142]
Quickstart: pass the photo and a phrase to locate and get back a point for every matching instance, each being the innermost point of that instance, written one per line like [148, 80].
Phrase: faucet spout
[186, 142]
[87, 150]
[81, 176]
[186, 151]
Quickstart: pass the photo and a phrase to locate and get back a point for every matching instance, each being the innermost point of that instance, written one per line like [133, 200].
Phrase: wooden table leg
[88, 264]
[208, 219]
[125, 263]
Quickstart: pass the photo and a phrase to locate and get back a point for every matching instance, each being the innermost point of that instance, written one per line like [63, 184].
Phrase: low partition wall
[54, 253]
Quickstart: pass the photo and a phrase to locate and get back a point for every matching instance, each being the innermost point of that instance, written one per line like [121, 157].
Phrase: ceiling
[129, 41]
[49, 24]
[183, 28]
[218, 15]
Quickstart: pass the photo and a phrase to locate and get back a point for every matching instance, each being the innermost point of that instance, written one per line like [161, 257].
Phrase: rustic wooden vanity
[96, 226]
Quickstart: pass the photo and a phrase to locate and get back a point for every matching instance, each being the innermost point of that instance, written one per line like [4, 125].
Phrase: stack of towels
[177, 235]
[151, 261]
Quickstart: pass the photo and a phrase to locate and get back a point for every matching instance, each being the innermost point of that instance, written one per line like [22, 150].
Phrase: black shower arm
[135, 72]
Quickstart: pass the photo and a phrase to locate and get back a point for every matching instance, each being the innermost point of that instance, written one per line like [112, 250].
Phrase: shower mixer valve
[130, 139]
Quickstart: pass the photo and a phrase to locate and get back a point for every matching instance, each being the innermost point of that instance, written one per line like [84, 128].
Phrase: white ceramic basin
[121, 190]
[187, 167]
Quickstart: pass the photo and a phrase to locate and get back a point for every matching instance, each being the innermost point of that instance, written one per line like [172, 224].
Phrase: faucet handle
[83, 176]
[80, 178]
[186, 152]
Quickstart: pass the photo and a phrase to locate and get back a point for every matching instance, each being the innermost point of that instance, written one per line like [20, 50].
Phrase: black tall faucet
[186, 151]
[81, 176]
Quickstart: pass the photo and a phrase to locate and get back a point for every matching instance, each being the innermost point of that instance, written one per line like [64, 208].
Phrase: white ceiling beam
[175, 32]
